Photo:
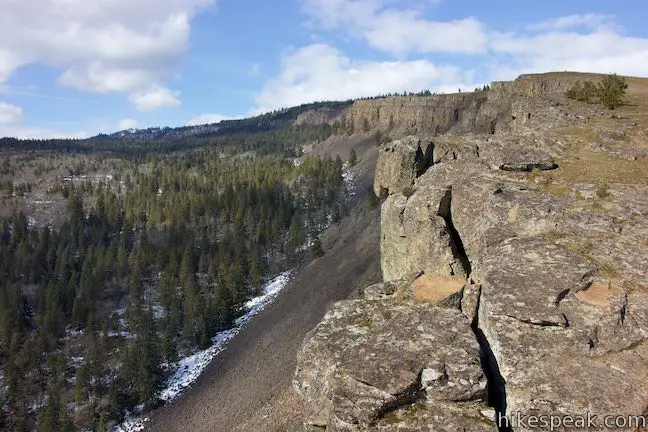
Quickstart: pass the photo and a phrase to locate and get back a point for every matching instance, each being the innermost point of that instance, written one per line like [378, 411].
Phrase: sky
[75, 68]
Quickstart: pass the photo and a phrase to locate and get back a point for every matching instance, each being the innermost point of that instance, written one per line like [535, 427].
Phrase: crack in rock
[496, 385]
[458, 249]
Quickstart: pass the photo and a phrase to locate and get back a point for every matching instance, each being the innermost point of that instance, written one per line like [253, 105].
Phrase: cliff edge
[514, 253]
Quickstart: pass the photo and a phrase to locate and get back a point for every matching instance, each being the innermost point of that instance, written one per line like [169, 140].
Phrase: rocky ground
[515, 264]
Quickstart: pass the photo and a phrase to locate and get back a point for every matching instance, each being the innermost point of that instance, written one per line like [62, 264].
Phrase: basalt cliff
[514, 253]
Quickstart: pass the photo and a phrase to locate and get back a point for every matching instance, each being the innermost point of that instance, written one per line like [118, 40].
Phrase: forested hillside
[151, 262]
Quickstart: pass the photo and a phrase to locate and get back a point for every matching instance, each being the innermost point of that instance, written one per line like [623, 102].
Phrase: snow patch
[190, 368]
[133, 425]
[349, 177]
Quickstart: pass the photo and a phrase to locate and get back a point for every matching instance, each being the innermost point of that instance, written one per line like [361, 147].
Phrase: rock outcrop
[407, 159]
[368, 359]
[511, 288]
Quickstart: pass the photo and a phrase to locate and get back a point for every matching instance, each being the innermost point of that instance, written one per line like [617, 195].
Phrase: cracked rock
[366, 359]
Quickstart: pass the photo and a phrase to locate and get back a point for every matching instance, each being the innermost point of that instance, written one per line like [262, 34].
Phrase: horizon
[69, 69]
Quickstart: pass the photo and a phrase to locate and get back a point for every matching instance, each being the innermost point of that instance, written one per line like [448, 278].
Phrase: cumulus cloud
[123, 46]
[127, 123]
[588, 42]
[10, 114]
[398, 31]
[156, 97]
[320, 72]
[207, 118]
[601, 50]
[407, 33]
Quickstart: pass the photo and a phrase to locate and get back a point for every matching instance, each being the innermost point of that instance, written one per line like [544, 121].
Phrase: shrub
[583, 92]
[316, 250]
[612, 90]
[609, 92]
[602, 191]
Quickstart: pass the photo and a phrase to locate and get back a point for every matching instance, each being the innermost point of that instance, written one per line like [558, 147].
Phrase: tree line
[148, 268]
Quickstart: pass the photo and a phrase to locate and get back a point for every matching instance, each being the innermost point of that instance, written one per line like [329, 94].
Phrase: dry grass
[582, 165]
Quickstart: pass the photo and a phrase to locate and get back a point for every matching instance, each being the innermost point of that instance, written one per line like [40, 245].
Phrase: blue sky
[76, 68]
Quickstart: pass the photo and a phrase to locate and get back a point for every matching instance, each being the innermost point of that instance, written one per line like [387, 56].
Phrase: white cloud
[8, 62]
[320, 72]
[398, 31]
[600, 50]
[101, 78]
[207, 118]
[127, 123]
[123, 46]
[589, 20]
[401, 32]
[588, 42]
[26, 132]
[156, 97]
[10, 114]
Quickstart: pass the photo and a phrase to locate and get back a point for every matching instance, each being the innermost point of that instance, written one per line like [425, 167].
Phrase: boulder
[382, 290]
[552, 371]
[367, 359]
[416, 236]
[399, 163]
[526, 278]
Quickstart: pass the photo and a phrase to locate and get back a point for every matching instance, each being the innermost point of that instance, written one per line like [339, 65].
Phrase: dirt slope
[248, 387]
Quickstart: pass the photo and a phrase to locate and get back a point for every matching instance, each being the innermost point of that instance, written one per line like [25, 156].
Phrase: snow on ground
[190, 368]
[71, 333]
[133, 425]
[349, 178]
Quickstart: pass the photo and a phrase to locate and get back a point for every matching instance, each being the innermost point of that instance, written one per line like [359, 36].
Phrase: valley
[174, 279]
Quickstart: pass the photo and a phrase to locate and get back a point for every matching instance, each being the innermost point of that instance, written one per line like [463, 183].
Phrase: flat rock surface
[436, 288]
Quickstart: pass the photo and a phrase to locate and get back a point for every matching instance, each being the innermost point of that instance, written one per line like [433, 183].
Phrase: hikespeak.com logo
[588, 421]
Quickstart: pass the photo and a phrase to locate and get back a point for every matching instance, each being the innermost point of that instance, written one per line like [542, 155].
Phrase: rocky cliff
[506, 106]
[514, 251]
